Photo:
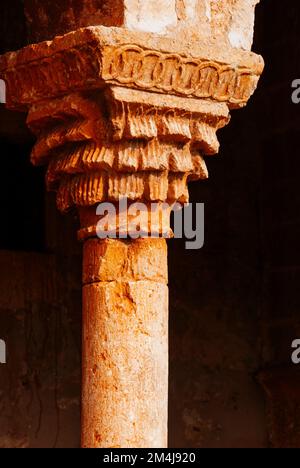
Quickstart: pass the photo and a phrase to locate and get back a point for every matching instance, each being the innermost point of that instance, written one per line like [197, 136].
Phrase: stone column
[129, 112]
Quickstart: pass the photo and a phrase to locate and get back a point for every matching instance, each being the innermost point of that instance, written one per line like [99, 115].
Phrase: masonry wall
[233, 304]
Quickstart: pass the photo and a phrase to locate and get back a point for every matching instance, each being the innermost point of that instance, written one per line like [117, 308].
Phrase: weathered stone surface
[127, 141]
[282, 393]
[228, 21]
[129, 145]
[97, 56]
[125, 344]
[128, 261]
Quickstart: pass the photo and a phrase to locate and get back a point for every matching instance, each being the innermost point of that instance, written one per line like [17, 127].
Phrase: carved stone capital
[95, 57]
[282, 393]
[125, 114]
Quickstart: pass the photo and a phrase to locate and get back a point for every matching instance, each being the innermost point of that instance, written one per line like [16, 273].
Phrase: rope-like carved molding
[42, 71]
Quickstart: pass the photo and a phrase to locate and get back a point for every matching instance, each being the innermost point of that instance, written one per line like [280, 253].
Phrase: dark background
[234, 305]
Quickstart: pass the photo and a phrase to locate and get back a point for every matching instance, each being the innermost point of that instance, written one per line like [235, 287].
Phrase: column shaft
[125, 344]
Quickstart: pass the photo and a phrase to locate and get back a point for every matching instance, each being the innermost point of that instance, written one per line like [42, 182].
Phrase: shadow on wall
[234, 305]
